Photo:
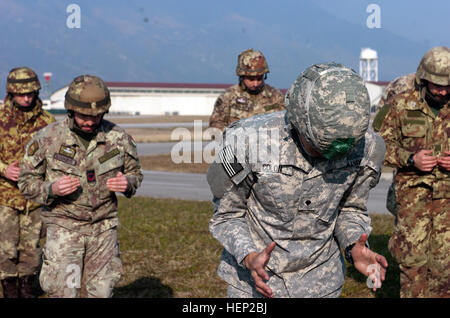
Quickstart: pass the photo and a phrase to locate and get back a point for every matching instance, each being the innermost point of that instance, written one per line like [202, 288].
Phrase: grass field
[167, 251]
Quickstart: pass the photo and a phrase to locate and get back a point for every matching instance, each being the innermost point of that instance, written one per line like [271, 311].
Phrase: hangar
[140, 98]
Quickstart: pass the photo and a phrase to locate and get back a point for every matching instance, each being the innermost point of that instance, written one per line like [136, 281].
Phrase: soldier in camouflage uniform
[74, 168]
[416, 131]
[283, 218]
[251, 96]
[399, 85]
[21, 116]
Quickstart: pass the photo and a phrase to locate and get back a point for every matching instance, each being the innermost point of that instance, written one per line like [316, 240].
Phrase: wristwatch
[410, 162]
[348, 253]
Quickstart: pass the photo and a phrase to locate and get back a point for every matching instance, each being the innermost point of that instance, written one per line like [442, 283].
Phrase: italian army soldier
[284, 217]
[21, 116]
[74, 168]
[399, 85]
[416, 131]
[251, 96]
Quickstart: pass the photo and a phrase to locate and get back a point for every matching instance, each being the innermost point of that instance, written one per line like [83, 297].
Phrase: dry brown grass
[144, 135]
[149, 119]
[164, 162]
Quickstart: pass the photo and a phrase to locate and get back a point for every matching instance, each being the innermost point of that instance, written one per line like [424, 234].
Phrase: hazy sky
[198, 40]
[425, 22]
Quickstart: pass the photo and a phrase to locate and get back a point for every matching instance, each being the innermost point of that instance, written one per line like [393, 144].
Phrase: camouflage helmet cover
[88, 95]
[435, 66]
[330, 106]
[22, 80]
[251, 63]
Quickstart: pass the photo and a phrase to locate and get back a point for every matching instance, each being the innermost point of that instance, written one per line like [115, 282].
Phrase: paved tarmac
[193, 186]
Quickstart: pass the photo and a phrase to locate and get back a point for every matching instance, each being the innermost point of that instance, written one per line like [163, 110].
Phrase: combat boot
[10, 288]
[26, 286]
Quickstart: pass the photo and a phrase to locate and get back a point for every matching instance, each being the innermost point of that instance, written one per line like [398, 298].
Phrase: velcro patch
[109, 155]
[64, 159]
[229, 162]
[67, 151]
[33, 148]
[270, 107]
[90, 176]
[414, 113]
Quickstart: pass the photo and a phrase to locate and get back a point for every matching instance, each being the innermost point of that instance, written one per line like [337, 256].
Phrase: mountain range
[175, 41]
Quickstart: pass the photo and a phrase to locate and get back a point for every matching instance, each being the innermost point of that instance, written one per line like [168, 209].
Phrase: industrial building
[172, 98]
[139, 98]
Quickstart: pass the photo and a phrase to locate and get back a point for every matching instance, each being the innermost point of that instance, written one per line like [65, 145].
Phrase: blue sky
[425, 22]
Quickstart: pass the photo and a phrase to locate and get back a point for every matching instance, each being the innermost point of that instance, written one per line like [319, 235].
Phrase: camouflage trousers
[421, 243]
[80, 265]
[20, 254]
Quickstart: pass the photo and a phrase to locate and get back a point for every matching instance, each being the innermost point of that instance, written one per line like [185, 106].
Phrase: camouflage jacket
[16, 130]
[57, 151]
[399, 85]
[308, 207]
[236, 103]
[409, 127]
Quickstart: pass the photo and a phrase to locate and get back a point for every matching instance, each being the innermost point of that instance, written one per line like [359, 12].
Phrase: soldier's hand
[117, 184]
[424, 161]
[13, 170]
[444, 161]
[256, 262]
[369, 263]
[65, 186]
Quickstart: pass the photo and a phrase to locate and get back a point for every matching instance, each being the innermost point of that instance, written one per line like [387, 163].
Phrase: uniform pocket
[414, 131]
[107, 170]
[277, 193]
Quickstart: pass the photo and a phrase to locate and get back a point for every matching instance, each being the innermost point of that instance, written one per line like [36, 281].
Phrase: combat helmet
[251, 63]
[22, 80]
[435, 67]
[88, 95]
[329, 105]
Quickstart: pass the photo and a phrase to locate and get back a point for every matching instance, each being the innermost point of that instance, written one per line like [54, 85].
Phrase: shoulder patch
[33, 148]
[229, 162]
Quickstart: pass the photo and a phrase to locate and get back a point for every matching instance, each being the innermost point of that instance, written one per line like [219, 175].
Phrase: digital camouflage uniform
[399, 85]
[237, 102]
[82, 226]
[309, 207]
[421, 239]
[20, 222]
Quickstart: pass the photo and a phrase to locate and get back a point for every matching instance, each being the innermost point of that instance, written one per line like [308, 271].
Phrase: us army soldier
[21, 116]
[74, 167]
[416, 132]
[283, 219]
[251, 96]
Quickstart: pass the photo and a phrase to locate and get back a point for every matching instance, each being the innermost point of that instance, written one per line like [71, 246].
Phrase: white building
[155, 98]
[172, 98]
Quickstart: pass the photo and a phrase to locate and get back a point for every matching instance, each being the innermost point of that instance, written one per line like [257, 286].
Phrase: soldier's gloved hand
[65, 186]
[13, 170]
[117, 184]
[444, 161]
[256, 262]
[423, 161]
[369, 263]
